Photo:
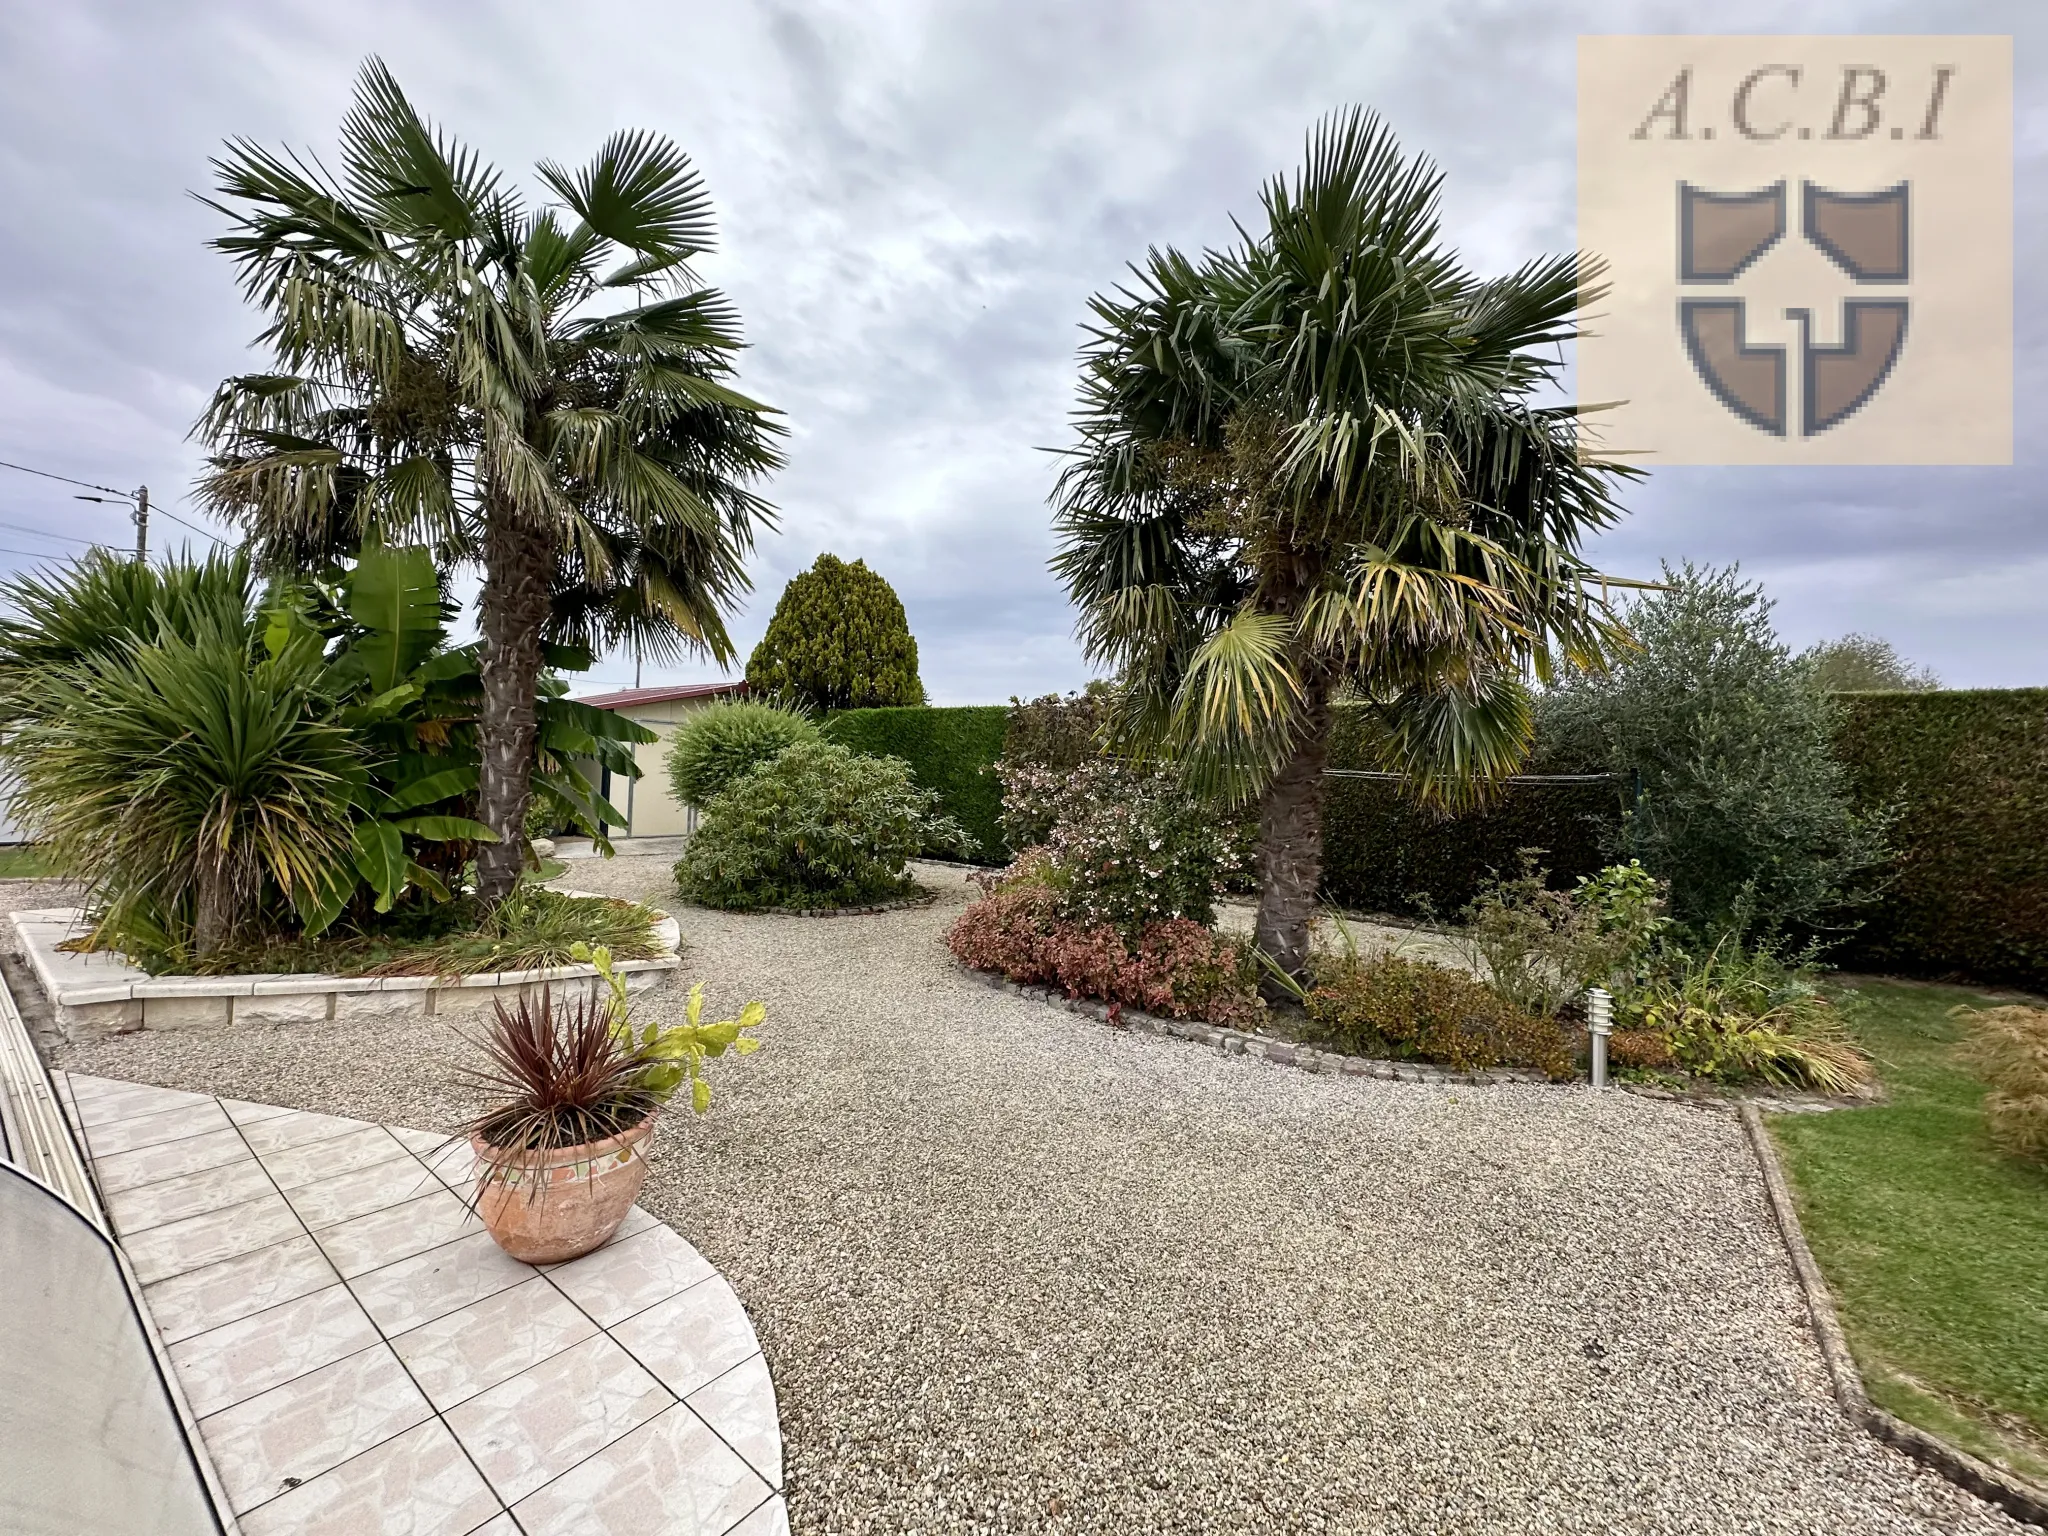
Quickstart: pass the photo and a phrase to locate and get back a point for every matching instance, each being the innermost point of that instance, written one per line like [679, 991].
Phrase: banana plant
[415, 700]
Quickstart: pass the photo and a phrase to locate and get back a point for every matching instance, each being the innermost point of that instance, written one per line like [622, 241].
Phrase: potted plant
[574, 1090]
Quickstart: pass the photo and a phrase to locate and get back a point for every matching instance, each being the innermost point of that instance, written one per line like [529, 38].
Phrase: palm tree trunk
[514, 607]
[1291, 845]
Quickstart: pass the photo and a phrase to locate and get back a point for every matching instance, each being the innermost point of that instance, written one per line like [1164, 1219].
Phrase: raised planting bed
[93, 995]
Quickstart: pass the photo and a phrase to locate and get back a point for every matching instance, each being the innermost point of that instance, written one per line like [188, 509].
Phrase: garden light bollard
[1599, 1024]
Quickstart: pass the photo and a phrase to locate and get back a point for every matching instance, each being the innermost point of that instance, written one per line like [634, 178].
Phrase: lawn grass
[23, 861]
[1936, 1247]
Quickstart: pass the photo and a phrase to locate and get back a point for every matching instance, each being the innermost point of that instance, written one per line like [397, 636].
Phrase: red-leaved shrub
[1175, 968]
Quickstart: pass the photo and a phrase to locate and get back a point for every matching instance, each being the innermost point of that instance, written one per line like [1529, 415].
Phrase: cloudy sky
[916, 200]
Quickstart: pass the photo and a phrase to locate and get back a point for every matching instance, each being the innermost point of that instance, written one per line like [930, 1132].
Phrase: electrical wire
[41, 554]
[44, 533]
[89, 485]
[154, 511]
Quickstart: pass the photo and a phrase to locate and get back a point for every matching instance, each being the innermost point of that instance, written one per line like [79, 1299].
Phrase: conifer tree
[839, 640]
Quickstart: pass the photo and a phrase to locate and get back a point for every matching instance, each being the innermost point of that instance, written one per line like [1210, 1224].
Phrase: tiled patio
[362, 1358]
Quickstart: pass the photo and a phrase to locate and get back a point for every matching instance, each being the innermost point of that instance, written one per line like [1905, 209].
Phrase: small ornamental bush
[1122, 845]
[1387, 1005]
[718, 743]
[815, 826]
[839, 639]
[1542, 948]
[2009, 1049]
[1174, 968]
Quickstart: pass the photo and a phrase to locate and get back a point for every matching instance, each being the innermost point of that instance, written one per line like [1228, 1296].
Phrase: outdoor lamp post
[1599, 1024]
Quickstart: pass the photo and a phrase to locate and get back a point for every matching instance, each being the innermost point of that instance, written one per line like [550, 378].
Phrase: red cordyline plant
[566, 1073]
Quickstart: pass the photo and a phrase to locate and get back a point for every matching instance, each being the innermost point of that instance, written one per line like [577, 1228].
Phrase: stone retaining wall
[93, 995]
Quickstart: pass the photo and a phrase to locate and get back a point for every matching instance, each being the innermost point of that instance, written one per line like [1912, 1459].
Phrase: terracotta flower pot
[549, 1207]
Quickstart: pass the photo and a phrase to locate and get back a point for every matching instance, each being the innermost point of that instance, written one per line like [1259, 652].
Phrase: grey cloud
[916, 200]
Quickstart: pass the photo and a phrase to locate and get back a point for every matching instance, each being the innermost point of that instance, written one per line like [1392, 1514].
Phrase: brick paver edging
[2018, 1499]
[1237, 1042]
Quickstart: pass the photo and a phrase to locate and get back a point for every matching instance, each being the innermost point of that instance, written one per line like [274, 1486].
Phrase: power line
[163, 512]
[44, 533]
[89, 485]
[41, 554]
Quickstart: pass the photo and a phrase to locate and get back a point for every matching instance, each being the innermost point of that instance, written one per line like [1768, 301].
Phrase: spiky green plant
[187, 779]
[718, 743]
[1315, 464]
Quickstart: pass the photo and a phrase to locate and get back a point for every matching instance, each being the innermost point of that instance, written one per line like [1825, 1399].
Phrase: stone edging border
[1238, 1042]
[2020, 1500]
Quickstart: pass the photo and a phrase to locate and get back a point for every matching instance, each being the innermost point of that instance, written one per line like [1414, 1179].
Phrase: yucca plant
[100, 601]
[187, 781]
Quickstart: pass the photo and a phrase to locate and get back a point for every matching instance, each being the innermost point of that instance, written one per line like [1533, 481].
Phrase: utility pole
[142, 526]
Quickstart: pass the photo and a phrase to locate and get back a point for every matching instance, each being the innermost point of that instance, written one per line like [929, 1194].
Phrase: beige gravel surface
[1017, 1271]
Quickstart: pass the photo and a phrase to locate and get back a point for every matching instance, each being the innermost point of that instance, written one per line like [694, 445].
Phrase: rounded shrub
[719, 743]
[839, 639]
[815, 826]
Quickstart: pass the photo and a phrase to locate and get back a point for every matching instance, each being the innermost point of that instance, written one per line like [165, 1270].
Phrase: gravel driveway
[1015, 1270]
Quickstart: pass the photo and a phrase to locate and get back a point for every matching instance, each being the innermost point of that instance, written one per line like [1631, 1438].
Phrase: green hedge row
[1968, 771]
[949, 750]
[1384, 853]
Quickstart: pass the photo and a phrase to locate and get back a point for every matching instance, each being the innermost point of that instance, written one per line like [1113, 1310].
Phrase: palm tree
[446, 373]
[1312, 466]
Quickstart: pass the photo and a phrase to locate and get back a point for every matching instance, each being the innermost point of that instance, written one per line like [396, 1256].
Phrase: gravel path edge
[2021, 1500]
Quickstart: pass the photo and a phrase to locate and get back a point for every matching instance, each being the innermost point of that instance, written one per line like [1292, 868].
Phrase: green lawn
[1936, 1248]
[22, 861]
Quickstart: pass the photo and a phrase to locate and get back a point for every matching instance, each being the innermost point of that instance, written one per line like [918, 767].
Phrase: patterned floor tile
[153, 1129]
[198, 1241]
[631, 1275]
[234, 1288]
[543, 1421]
[455, 1357]
[296, 1128]
[171, 1160]
[243, 1112]
[238, 1360]
[311, 1162]
[130, 1101]
[413, 1291]
[691, 1340]
[771, 1519]
[396, 1232]
[740, 1408]
[670, 1474]
[418, 1483]
[193, 1194]
[291, 1434]
[347, 1196]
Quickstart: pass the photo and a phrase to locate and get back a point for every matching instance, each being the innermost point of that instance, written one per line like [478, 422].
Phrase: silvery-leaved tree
[537, 390]
[1316, 465]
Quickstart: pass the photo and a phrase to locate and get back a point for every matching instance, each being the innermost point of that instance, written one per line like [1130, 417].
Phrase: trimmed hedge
[1384, 853]
[1968, 771]
[952, 751]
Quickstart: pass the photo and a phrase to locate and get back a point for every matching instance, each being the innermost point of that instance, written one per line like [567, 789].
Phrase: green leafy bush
[2008, 1047]
[718, 743]
[838, 640]
[1967, 771]
[1542, 948]
[815, 826]
[951, 752]
[1126, 846]
[1743, 808]
[1387, 1005]
[1865, 664]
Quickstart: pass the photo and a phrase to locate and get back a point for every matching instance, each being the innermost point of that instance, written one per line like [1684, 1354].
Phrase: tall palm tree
[1314, 466]
[447, 372]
